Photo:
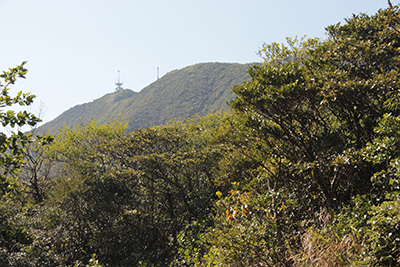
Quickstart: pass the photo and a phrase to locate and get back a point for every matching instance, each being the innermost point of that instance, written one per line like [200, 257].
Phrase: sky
[75, 48]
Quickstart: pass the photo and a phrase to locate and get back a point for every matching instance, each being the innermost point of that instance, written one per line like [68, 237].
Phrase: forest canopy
[302, 171]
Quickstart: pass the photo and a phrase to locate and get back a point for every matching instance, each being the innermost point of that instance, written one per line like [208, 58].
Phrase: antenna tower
[118, 84]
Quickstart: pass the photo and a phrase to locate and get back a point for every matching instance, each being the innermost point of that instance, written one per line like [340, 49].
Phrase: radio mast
[118, 84]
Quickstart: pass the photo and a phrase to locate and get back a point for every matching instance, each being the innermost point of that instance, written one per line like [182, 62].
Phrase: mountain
[197, 89]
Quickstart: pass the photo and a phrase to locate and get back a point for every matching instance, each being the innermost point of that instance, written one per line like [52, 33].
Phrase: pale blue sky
[75, 48]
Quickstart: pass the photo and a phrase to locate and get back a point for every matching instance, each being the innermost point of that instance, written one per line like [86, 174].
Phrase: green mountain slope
[197, 89]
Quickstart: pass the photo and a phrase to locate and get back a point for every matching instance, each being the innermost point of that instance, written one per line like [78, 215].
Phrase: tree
[129, 199]
[36, 175]
[312, 109]
[11, 147]
[12, 235]
[67, 222]
[323, 104]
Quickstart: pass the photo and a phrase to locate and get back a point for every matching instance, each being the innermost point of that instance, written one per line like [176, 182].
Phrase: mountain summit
[197, 89]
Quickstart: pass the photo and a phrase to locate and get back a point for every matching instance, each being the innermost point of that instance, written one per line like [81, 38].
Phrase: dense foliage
[303, 171]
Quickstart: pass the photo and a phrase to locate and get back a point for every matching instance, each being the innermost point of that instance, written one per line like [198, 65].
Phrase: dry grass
[329, 249]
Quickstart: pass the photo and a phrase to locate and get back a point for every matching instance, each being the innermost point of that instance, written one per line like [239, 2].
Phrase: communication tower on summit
[118, 84]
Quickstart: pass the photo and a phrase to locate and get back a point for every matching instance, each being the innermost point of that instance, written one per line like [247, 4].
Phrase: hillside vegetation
[198, 89]
[302, 171]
